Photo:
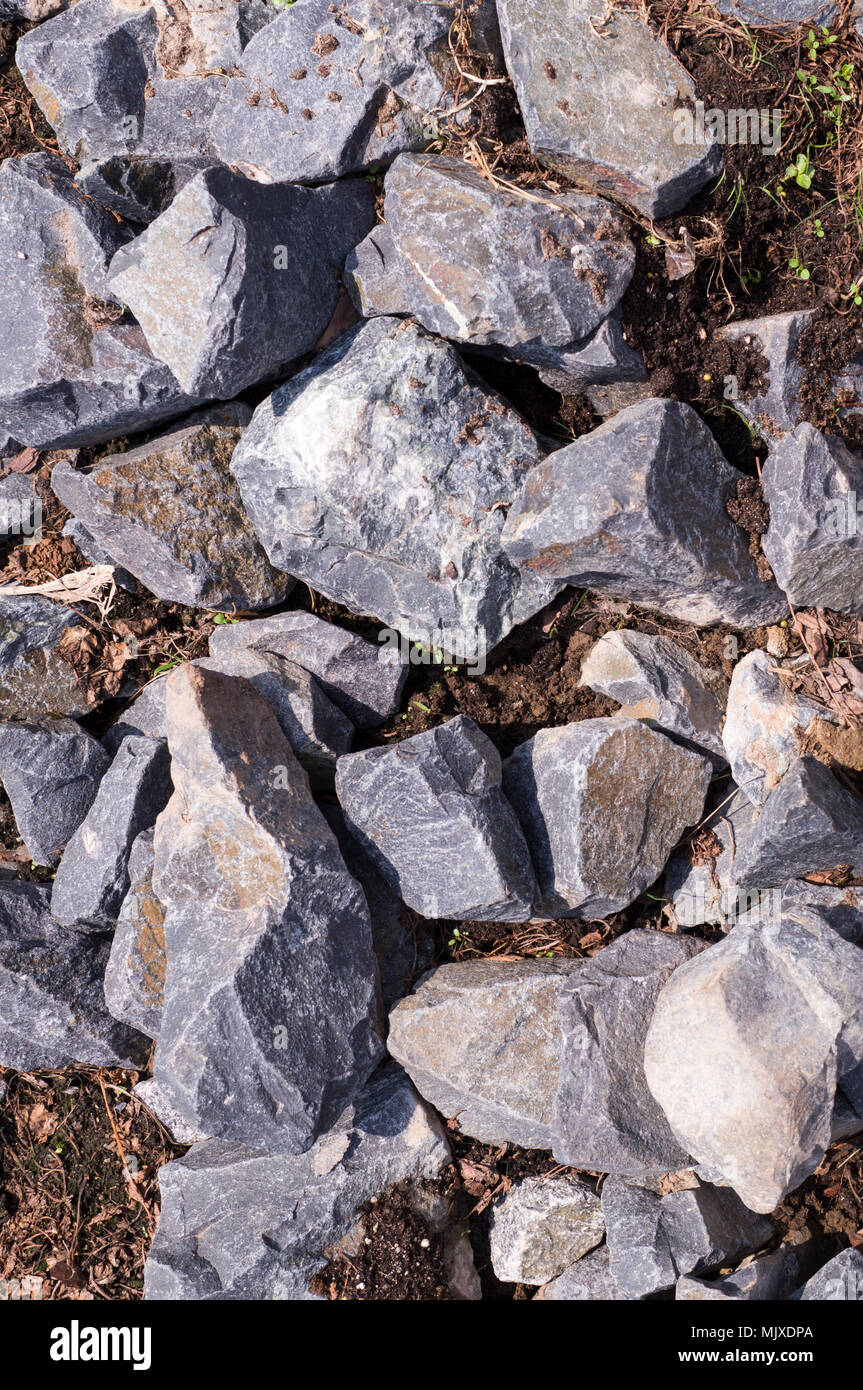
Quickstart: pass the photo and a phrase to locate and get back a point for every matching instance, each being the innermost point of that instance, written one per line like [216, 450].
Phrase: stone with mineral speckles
[810, 823]
[541, 1226]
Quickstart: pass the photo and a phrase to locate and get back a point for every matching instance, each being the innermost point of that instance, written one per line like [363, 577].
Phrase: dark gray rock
[237, 278]
[35, 679]
[602, 804]
[239, 1223]
[93, 875]
[808, 824]
[371, 276]
[93, 552]
[839, 908]
[840, 1280]
[767, 725]
[756, 13]
[541, 1226]
[573, 86]
[602, 367]
[774, 410]
[135, 974]
[170, 513]
[636, 509]
[414, 462]
[363, 680]
[137, 189]
[53, 1013]
[267, 1031]
[588, 1280]
[431, 815]
[767, 1278]
[50, 772]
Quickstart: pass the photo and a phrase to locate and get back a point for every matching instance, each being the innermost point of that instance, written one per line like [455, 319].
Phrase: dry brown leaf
[24, 462]
[41, 1123]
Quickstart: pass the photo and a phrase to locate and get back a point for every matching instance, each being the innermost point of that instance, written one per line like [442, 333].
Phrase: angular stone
[811, 483]
[239, 1223]
[605, 1118]
[775, 410]
[588, 1280]
[602, 367]
[602, 804]
[431, 815]
[76, 370]
[746, 1047]
[35, 679]
[81, 538]
[774, 12]
[379, 475]
[371, 276]
[636, 509]
[707, 890]
[656, 680]
[768, 1278]
[840, 1280]
[170, 513]
[137, 189]
[810, 823]
[766, 726]
[569, 79]
[838, 908]
[236, 279]
[363, 680]
[481, 1041]
[135, 975]
[53, 1014]
[20, 507]
[541, 1226]
[183, 1133]
[93, 876]
[33, 10]
[267, 1032]
[50, 772]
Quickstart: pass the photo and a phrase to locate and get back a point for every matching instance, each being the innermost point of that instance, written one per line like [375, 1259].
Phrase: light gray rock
[603, 107]
[363, 680]
[52, 1013]
[135, 974]
[148, 1092]
[92, 878]
[636, 509]
[32, 10]
[588, 1280]
[267, 1031]
[839, 908]
[707, 891]
[605, 1118]
[808, 824]
[656, 680]
[766, 1278]
[50, 772]
[811, 483]
[775, 410]
[481, 1041]
[766, 726]
[170, 513]
[93, 552]
[239, 1223]
[747, 1044]
[21, 507]
[35, 679]
[371, 276]
[602, 804]
[541, 1226]
[775, 12]
[841, 1280]
[413, 462]
[431, 815]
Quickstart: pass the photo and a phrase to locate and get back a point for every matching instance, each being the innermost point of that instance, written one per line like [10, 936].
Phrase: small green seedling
[801, 171]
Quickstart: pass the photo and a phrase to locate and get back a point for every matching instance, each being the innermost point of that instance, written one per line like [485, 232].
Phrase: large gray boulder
[135, 974]
[241, 1223]
[267, 1031]
[50, 772]
[601, 105]
[170, 513]
[809, 823]
[52, 1011]
[602, 804]
[431, 815]
[767, 726]
[747, 1045]
[380, 476]
[36, 679]
[541, 1226]
[637, 509]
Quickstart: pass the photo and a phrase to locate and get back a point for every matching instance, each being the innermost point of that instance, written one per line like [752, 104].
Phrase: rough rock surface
[35, 679]
[170, 513]
[371, 276]
[636, 509]
[481, 1041]
[656, 680]
[431, 815]
[809, 823]
[775, 410]
[588, 1280]
[841, 1279]
[379, 475]
[53, 1013]
[135, 975]
[603, 111]
[767, 1278]
[541, 1227]
[746, 1047]
[707, 890]
[137, 189]
[93, 876]
[240, 1223]
[50, 772]
[602, 804]
[267, 1032]
[20, 506]
[766, 726]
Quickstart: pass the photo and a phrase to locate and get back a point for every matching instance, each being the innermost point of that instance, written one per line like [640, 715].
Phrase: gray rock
[481, 1041]
[841, 1279]
[605, 1118]
[20, 507]
[135, 975]
[811, 483]
[35, 679]
[414, 461]
[656, 680]
[149, 1094]
[50, 772]
[53, 1014]
[636, 509]
[541, 1226]
[236, 279]
[371, 276]
[588, 1280]
[267, 1031]
[766, 1278]
[93, 875]
[602, 108]
[746, 1047]
[774, 12]
[170, 513]
[767, 726]
[239, 1223]
[431, 815]
[653, 1237]
[776, 409]
[808, 824]
[839, 908]
[363, 680]
[602, 804]
[707, 891]
[137, 189]
[77, 369]
[93, 552]
[602, 367]
[32, 10]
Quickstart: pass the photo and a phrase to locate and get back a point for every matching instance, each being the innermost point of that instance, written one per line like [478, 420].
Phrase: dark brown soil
[396, 1257]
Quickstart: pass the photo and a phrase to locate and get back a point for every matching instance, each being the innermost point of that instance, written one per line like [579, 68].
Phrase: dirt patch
[395, 1256]
[23, 128]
